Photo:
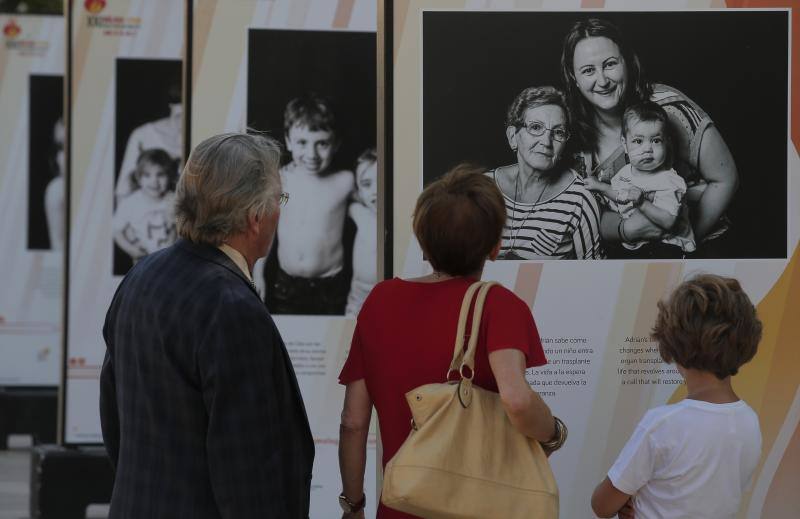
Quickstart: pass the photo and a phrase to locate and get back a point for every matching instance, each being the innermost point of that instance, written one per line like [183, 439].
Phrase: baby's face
[645, 145]
[311, 149]
[153, 180]
[368, 185]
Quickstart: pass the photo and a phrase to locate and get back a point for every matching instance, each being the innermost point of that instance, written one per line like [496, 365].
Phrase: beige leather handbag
[463, 458]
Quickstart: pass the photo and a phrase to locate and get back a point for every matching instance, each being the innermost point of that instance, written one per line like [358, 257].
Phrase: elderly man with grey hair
[200, 409]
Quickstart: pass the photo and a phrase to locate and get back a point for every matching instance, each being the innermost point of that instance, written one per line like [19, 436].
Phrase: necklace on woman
[510, 254]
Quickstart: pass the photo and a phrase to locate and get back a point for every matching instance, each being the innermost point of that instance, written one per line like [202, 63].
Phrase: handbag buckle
[447, 376]
[465, 392]
[461, 372]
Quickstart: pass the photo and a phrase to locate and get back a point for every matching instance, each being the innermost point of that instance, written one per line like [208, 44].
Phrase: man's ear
[254, 222]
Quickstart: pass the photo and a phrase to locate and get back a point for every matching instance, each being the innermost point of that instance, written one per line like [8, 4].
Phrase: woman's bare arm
[353, 432]
[525, 408]
[719, 170]
[637, 227]
[658, 216]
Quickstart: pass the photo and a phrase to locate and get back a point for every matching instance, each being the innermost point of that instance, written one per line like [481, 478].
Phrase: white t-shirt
[147, 222]
[668, 189]
[692, 459]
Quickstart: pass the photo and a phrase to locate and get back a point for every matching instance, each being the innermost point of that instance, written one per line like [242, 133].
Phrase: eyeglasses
[283, 199]
[537, 129]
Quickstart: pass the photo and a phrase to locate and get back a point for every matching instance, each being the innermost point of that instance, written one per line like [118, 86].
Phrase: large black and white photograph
[617, 135]
[315, 92]
[147, 160]
[46, 218]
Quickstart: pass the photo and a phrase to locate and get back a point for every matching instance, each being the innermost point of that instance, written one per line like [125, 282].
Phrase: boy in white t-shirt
[693, 459]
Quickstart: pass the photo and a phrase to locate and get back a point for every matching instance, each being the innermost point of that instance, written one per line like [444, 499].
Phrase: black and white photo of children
[322, 106]
[46, 217]
[721, 77]
[148, 157]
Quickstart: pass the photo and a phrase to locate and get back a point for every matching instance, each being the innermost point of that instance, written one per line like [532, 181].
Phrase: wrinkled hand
[626, 512]
[357, 515]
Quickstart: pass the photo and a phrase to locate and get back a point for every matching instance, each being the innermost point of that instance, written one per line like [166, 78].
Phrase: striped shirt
[565, 226]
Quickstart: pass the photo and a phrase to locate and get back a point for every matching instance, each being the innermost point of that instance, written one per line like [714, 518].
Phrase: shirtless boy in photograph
[310, 277]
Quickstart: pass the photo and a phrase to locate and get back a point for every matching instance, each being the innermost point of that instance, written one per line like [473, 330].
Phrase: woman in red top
[406, 330]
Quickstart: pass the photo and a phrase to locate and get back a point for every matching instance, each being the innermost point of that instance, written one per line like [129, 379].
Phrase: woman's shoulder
[666, 95]
[576, 183]
[502, 175]
[503, 298]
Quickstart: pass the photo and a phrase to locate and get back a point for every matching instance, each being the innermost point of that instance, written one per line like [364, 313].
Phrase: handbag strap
[461, 357]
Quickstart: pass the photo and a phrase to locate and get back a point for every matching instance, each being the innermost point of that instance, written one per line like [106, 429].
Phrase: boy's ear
[624, 144]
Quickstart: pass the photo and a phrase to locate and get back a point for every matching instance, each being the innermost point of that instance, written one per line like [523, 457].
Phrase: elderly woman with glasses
[551, 214]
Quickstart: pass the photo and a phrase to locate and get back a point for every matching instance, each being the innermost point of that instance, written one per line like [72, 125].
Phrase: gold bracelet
[558, 439]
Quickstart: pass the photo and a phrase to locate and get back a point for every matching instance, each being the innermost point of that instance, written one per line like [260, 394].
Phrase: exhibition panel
[456, 69]
[124, 112]
[31, 199]
[303, 73]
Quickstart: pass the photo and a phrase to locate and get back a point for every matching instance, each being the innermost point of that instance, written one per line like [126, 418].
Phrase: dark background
[142, 96]
[733, 64]
[46, 106]
[340, 65]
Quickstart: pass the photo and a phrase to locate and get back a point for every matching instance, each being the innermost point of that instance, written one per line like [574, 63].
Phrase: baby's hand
[592, 184]
[632, 194]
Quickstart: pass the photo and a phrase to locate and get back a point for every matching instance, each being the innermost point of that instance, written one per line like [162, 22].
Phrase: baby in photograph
[310, 278]
[649, 185]
[144, 221]
[364, 212]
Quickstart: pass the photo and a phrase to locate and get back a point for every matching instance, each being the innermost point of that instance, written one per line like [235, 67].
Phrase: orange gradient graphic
[11, 29]
[94, 6]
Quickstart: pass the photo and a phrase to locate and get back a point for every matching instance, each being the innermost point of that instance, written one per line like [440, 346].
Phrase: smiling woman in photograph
[551, 214]
[603, 77]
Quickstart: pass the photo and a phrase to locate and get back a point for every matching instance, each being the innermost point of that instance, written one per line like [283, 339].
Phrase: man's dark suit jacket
[200, 408]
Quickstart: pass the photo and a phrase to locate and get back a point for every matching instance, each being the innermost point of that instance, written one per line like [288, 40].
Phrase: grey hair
[227, 178]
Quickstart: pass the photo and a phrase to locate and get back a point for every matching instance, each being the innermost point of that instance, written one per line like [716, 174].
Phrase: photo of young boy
[310, 276]
[324, 107]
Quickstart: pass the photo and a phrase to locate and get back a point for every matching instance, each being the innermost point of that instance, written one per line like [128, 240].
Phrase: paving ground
[15, 473]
